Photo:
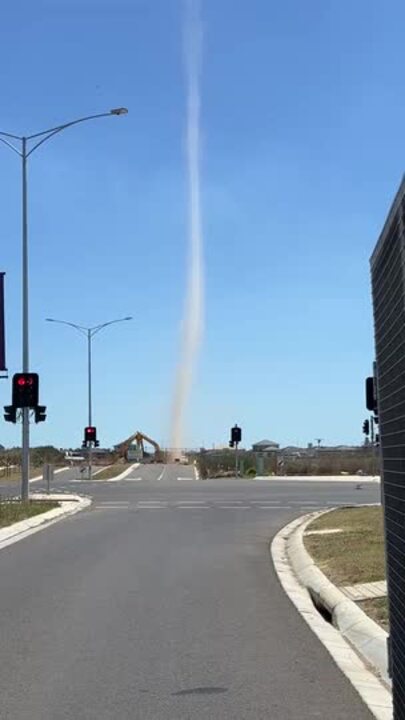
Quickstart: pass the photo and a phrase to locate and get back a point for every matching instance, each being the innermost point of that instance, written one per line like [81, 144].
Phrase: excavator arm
[122, 448]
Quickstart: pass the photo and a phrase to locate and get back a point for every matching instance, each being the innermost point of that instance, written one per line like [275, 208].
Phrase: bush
[251, 472]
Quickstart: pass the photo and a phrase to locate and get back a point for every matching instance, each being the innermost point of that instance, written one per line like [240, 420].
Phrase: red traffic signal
[90, 434]
[25, 390]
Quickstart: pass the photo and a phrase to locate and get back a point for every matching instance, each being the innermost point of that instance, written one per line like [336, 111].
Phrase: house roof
[265, 443]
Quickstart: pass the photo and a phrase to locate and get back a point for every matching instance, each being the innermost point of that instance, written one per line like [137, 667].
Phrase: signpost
[47, 476]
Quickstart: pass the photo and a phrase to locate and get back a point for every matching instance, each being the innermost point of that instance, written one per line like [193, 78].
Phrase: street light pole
[25, 457]
[89, 332]
[89, 337]
[20, 145]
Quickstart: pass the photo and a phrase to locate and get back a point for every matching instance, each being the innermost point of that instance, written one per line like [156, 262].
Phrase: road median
[35, 516]
[114, 473]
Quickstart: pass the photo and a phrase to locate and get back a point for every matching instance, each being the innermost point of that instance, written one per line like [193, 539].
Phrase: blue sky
[302, 124]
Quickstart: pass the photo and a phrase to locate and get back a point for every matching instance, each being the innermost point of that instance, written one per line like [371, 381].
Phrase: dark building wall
[388, 289]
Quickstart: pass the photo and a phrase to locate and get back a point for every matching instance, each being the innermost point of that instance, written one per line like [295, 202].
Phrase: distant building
[265, 446]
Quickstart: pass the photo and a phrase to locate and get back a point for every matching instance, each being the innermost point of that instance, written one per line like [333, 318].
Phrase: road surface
[161, 603]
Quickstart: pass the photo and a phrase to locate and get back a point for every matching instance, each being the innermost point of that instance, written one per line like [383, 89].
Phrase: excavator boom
[139, 437]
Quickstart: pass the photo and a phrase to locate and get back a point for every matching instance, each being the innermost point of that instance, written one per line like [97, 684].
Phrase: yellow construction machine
[138, 439]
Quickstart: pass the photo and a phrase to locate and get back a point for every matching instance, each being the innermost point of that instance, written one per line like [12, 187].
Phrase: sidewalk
[365, 591]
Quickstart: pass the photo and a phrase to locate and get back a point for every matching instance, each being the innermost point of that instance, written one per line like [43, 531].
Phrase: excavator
[138, 438]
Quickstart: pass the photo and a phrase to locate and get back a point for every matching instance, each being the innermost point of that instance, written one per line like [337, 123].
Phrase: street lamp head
[119, 111]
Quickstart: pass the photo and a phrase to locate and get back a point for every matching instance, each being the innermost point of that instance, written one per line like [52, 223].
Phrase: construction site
[141, 448]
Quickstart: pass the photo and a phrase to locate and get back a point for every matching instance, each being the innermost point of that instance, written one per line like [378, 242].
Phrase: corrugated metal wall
[388, 287]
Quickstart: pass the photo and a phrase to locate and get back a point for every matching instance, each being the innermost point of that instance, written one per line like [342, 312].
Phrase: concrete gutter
[69, 505]
[368, 638]
[370, 686]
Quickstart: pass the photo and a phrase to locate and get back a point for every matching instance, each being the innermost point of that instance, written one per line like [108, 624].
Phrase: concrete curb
[358, 479]
[40, 477]
[301, 580]
[69, 506]
[97, 472]
[123, 475]
[360, 630]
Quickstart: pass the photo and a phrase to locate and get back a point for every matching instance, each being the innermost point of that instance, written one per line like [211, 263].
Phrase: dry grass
[377, 609]
[12, 512]
[14, 474]
[355, 555]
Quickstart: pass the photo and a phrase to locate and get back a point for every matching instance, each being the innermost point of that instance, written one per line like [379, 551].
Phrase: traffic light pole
[90, 453]
[25, 453]
[236, 460]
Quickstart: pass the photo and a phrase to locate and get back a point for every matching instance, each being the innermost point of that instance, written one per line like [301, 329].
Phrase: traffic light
[40, 413]
[90, 435]
[371, 395]
[366, 427]
[10, 413]
[25, 390]
[236, 434]
[231, 443]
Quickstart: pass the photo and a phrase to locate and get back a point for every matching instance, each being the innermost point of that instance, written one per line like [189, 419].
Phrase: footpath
[331, 565]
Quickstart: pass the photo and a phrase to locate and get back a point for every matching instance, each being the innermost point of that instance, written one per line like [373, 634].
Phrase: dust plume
[193, 312]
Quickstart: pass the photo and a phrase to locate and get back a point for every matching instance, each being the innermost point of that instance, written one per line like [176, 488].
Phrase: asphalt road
[161, 603]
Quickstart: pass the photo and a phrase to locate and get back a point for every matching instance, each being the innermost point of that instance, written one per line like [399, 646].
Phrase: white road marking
[146, 504]
[192, 507]
[161, 475]
[111, 507]
[302, 502]
[153, 507]
[273, 507]
[185, 479]
[114, 502]
[234, 507]
[192, 502]
[131, 479]
[269, 502]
